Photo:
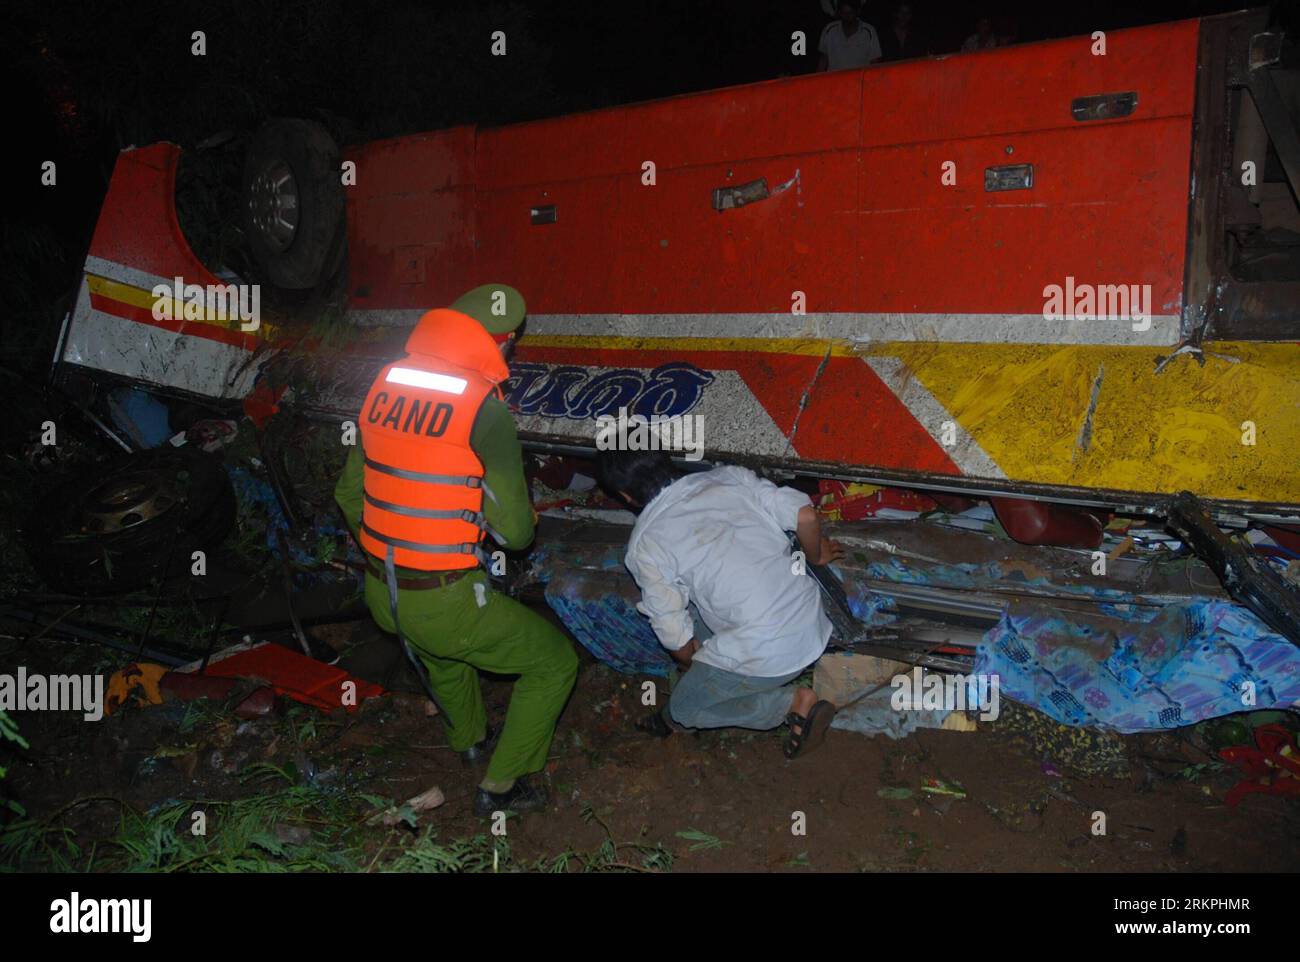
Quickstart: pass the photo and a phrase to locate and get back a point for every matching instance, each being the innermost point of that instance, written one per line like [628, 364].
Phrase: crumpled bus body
[965, 273]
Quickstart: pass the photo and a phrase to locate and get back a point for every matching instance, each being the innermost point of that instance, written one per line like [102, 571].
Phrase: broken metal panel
[1253, 72]
[1219, 305]
[1108, 418]
[1247, 577]
[907, 555]
[1026, 407]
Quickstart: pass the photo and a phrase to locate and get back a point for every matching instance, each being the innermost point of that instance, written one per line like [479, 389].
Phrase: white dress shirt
[717, 538]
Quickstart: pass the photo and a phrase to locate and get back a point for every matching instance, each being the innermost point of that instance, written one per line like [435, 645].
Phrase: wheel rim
[129, 499]
[273, 206]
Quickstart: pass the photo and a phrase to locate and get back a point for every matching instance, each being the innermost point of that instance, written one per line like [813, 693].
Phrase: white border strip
[860, 328]
[864, 327]
[125, 275]
[388, 317]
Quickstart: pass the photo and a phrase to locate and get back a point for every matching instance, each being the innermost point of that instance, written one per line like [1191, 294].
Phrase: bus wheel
[293, 203]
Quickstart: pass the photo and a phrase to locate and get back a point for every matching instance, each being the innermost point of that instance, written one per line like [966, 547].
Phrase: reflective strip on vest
[466, 547]
[463, 514]
[429, 380]
[462, 480]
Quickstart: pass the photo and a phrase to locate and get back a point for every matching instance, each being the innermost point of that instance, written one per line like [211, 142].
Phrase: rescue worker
[438, 466]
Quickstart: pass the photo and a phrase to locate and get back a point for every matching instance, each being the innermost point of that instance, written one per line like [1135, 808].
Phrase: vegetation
[288, 827]
[9, 733]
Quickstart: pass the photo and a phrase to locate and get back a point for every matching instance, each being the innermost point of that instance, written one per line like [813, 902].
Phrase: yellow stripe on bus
[144, 299]
[1189, 426]
[1026, 405]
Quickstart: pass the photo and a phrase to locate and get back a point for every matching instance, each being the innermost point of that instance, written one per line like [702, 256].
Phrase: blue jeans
[708, 697]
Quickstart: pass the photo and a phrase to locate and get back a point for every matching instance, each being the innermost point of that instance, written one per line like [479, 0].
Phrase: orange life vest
[423, 483]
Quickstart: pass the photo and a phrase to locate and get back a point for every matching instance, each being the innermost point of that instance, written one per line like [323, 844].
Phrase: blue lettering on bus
[567, 391]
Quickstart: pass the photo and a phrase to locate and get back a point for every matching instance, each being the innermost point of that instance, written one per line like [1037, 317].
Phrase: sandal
[656, 724]
[812, 730]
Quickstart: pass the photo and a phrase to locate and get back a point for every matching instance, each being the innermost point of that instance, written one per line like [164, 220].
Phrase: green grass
[701, 841]
[9, 733]
[286, 827]
[241, 835]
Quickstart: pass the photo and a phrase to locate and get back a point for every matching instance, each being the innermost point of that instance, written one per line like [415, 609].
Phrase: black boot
[476, 756]
[525, 796]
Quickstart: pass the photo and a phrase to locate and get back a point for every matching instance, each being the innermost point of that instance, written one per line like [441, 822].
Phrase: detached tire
[115, 531]
[293, 212]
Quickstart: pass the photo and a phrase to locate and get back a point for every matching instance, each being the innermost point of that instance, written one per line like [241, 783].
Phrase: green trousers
[455, 635]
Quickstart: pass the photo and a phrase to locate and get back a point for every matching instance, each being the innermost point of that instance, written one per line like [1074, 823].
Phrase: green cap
[498, 307]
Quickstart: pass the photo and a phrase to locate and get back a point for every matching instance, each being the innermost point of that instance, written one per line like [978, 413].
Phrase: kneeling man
[718, 539]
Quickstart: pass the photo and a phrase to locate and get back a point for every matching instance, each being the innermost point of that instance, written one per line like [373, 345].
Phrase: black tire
[298, 158]
[192, 508]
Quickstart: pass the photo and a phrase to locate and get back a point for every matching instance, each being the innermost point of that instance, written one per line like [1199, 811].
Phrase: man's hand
[817, 548]
[829, 551]
[685, 654]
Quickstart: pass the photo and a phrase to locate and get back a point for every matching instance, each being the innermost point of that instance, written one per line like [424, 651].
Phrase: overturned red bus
[1034, 273]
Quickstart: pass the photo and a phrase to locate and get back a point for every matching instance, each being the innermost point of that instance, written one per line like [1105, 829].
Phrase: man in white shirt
[718, 539]
[849, 42]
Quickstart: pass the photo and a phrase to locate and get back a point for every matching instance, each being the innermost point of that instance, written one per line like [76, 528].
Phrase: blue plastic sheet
[1147, 669]
[599, 608]
[875, 714]
[142, 416]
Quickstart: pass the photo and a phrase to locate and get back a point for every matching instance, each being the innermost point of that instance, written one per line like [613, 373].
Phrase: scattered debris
[410, 810]
[935, 786]
[1084, 751]
[894, 792]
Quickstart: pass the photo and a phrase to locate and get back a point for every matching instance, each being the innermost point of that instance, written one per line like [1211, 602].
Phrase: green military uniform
[465, 625]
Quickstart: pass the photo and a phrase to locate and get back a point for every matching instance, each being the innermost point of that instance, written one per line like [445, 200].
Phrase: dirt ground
[718, 801]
